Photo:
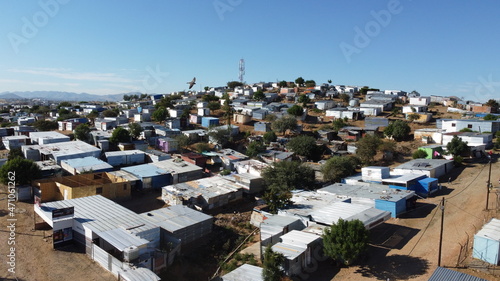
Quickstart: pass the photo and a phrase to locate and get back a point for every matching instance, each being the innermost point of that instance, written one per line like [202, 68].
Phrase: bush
[458, 160]
[419, 154]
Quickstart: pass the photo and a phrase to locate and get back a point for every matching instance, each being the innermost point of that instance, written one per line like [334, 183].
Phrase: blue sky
[109, 47]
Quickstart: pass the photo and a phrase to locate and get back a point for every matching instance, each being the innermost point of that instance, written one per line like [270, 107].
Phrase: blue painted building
[150, 176]
[209, 121]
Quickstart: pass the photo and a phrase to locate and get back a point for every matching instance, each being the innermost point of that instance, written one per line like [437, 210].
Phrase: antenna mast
[242, 70]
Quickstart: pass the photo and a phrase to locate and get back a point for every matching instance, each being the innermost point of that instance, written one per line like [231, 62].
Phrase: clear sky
[109, 47]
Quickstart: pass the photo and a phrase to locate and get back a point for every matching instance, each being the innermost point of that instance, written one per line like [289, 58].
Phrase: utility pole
[441, 234]
[489, 181]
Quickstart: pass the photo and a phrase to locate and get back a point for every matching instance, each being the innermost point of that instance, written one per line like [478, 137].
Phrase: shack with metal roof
[433, 168]
[150, 176]
[180, 170]
[487, 243]
[126, 157]
[60, 151]
[245, 272]
[85, 165]
[47, 137]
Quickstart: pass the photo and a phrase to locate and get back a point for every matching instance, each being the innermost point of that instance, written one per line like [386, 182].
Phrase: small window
[98, 190]
[124, 187]
[453, 124]
[469, 126]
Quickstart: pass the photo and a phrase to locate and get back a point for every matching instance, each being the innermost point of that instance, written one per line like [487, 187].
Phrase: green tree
[490, 117]
[414, 116]
[329, 81]
[19, 170]
[283, 84]
[214, 105]
[345, 241]
[299, 81]
[493, 103]
[304, 99]
[16, 152]
[64, 104]
[367, 148]
[419, 153]
[310, 83]
[119, 135]
[465, 130]
[135, 130]
[277, 199]
[220, 136]
[304, 146]
[344, 97]
[160, 114]
[82, 132]
[228, 110]
[45, 125]
[254, 148]
[284, 123]
[272, 265]
[209, 98]
[202, 146]
[269, 137]
[92, 115]
[288, 175]
[234, 84]
[338, 124]
[296, 110]
[109, 113]
[398, 130]
[183, 141]
[339, 167]
[259, 96]
[457, 146]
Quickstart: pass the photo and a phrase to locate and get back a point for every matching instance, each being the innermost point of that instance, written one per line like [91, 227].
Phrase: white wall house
[425, 101]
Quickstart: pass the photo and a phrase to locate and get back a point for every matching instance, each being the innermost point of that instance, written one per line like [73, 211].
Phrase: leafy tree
[345, 241]
[254, 148]
[288, 175]
[63, 111]
[19, 170]
[214, 105]
[183, 141]
[202, 146]
[272, 265]
[269, 137]
[220, 136]
[338, 124]
[329, 81]
[490, 117]
[304, 146]
[127, 97]
[228, 110]
[310, 83]
[160, 114]
[339, 167]
[270, 118]
[45, 125]
[345, 97]
[457, 146]
[365, 89]
[168, 101]
[82, 132]
[234, 84]
[414, 116]
[497, 143]
[296, 110]
[398, 130]
[465, 130]
[299, 81]
[259, 96]
[276, 199]
[64, 104]
[16, 152]
[206, 88]
[367, 148]
[304, 99]
[493, 103]
[119, 135]
[109, 113]
[92, 115]
[396, 111]
[209, 98]
[144, 96]
[135, 130]
[284, 123]
[419, 153]
[283, 84]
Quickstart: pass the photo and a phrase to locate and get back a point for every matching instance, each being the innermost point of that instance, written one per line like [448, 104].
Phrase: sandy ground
[407, 248]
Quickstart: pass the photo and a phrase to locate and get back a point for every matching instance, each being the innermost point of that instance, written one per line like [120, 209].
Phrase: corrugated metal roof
[125, 152]
[125, 175]
[445, 274]
[87, 164]
[145, 170]
[491, 230]
[246, 272]
[175, 217]
[207, 187]
[347, 211]
[100, 214]
[299, 238]
[289, 251]
[433, 164]
[176, 166]
[122, 239]
[368, 191]
[138, 274]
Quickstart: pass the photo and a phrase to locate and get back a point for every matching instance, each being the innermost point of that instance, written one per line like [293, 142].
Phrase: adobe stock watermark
[363, 37]
[11, 223]
[317, 256]
[31, 25]
[487, 88]
[223, 6]
[154, 78]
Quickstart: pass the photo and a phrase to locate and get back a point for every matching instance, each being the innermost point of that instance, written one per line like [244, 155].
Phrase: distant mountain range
[62, 96]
